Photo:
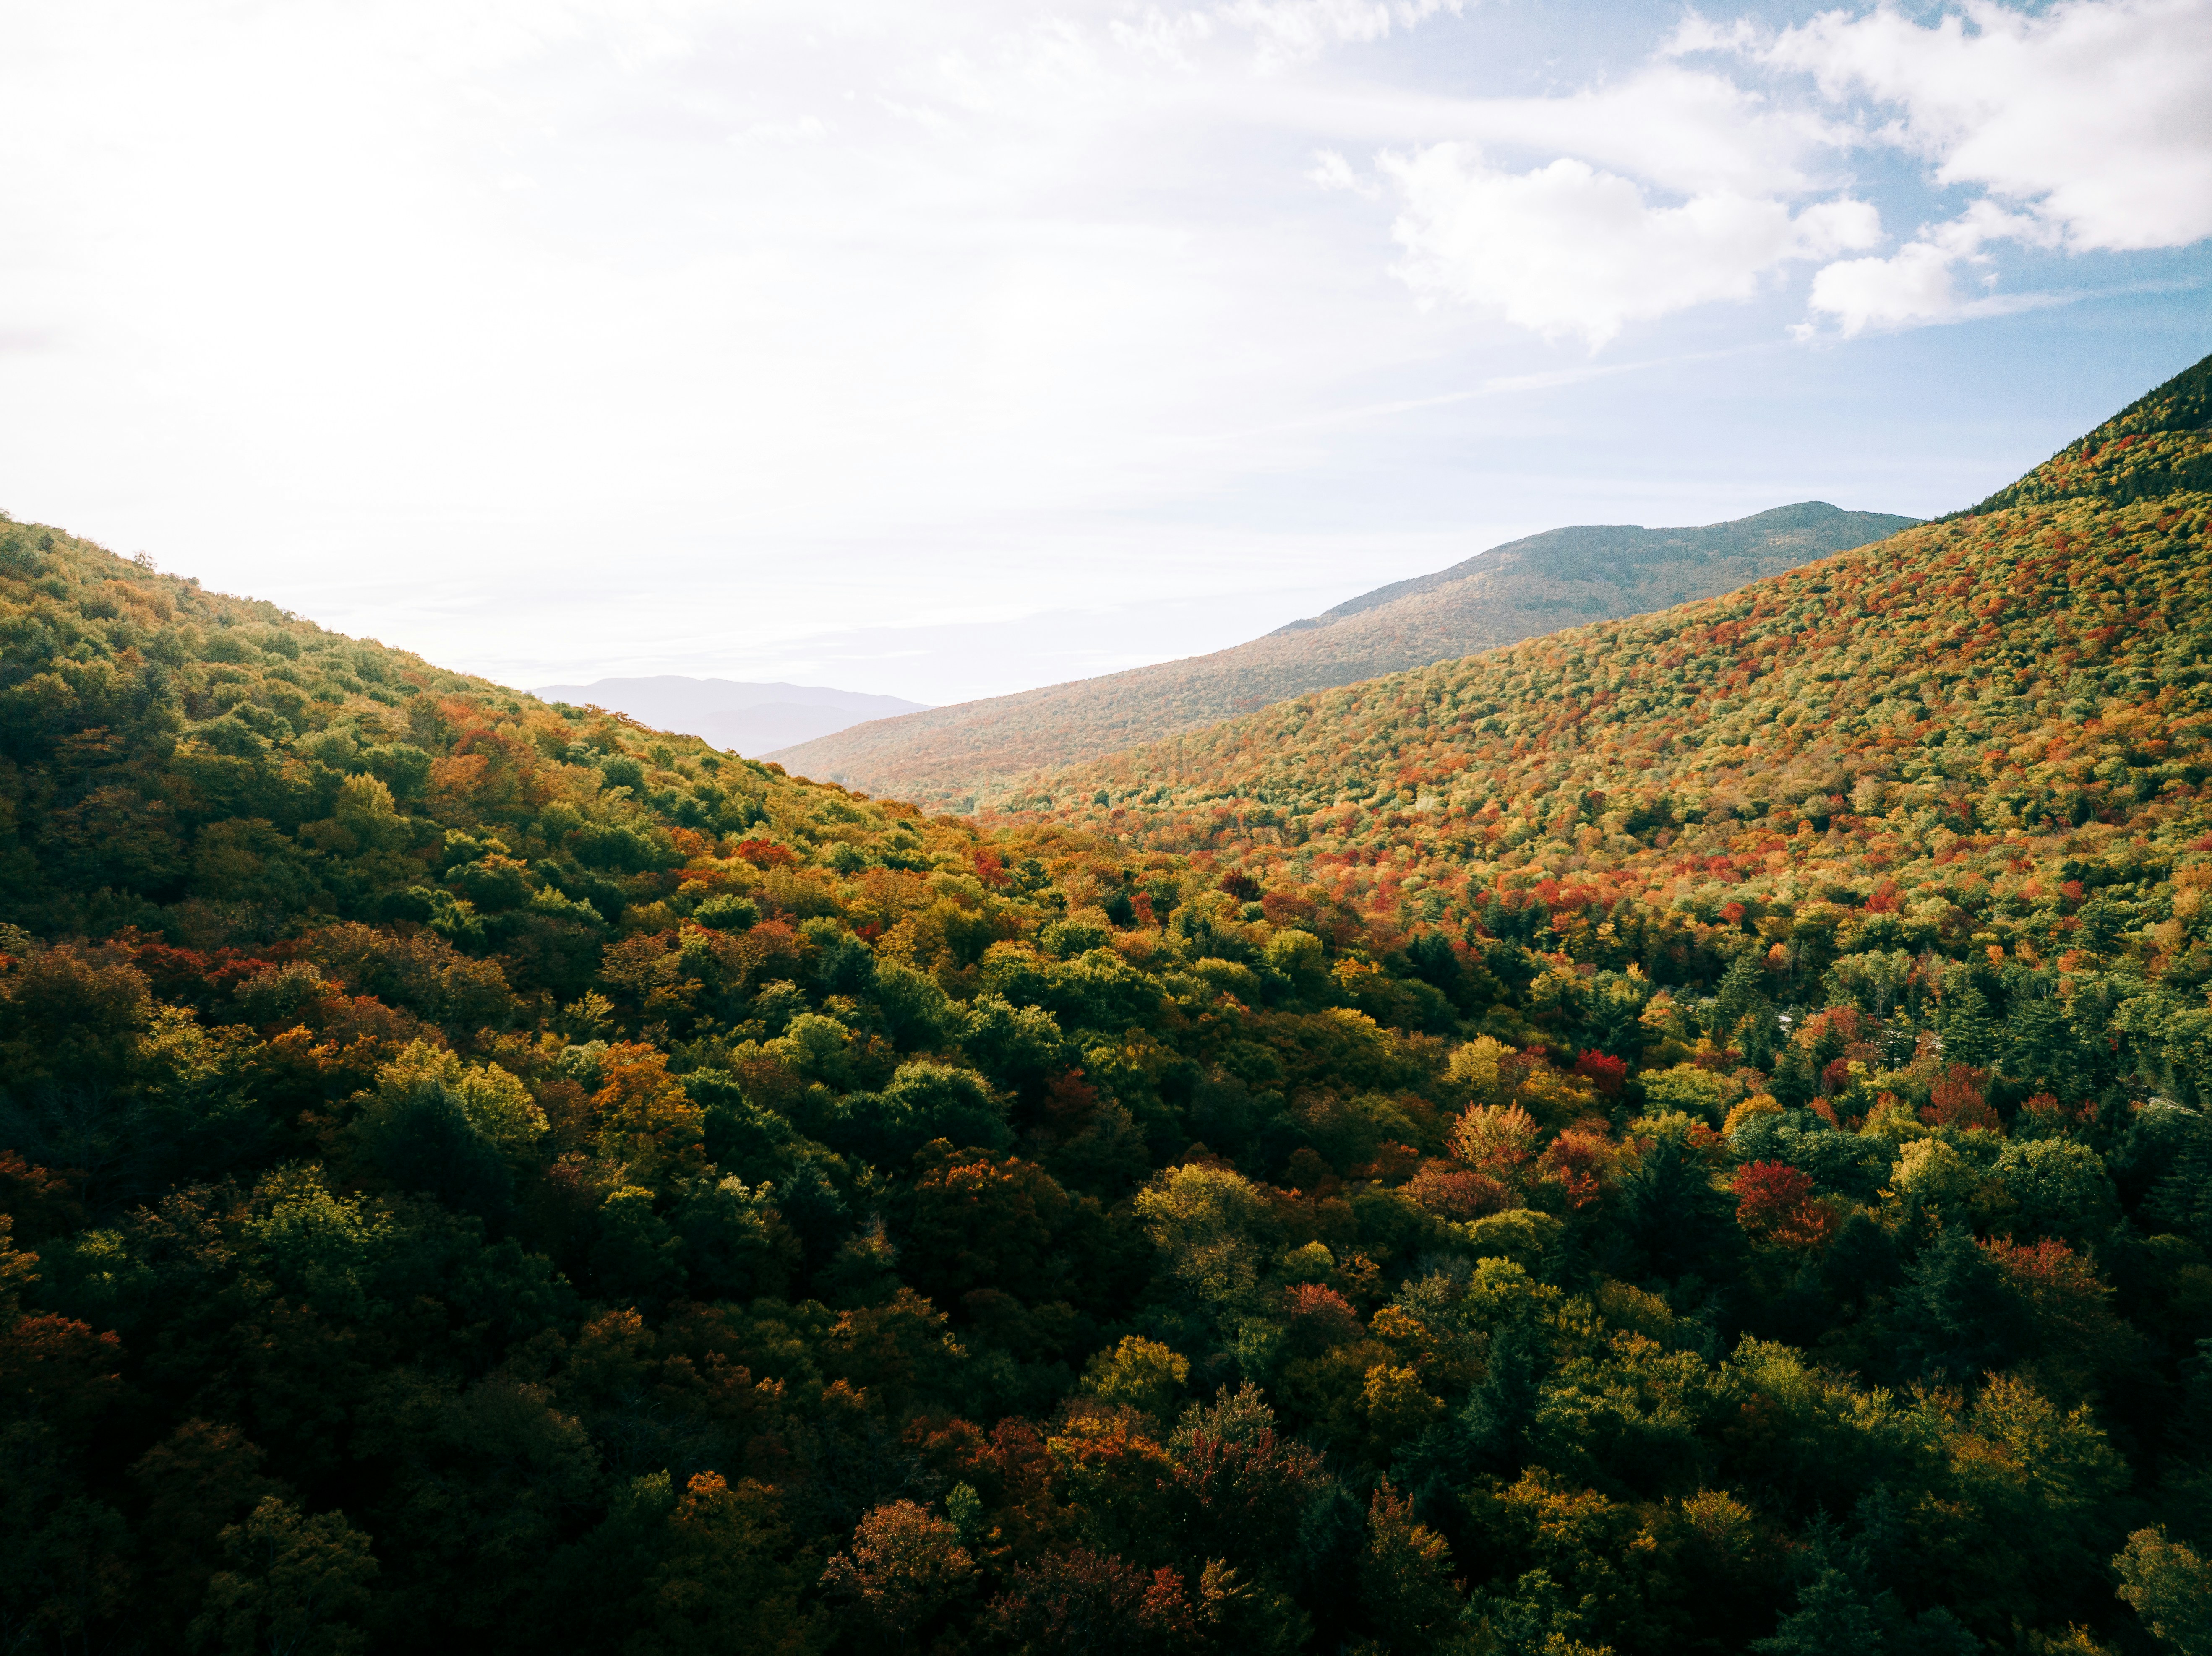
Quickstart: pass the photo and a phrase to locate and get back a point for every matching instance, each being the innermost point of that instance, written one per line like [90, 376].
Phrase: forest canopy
[1684, 1134]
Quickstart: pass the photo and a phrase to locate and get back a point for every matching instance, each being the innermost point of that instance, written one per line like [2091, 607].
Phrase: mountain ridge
[1268, 768]
[950, 757]
[1584, 541]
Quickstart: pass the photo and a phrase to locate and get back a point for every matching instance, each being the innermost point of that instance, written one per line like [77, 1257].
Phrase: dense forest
[1686, 1135]
[977, 752]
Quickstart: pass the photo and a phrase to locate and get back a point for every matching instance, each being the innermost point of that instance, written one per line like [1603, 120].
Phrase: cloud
[2094, 116]
[1683, 129]
[1566, 249]
[1331, 171]
[1298, 31]
[1286, 33]
[1919, 283]
[807, 129]
[2084, 127]
[1913, 287]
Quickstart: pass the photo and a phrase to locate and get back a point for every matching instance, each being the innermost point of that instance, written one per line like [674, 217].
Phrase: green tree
[1406, 1583]
[2171, 1588]
[1140, 1374]
[1743, 991]
[1971, 1034]
[727, 1582]
[292, 1586]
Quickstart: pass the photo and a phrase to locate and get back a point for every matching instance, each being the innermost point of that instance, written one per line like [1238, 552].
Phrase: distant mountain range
[744, 718]
[968, 754]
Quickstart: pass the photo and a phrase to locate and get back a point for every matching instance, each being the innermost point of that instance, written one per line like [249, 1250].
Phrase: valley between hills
[1684, 1131]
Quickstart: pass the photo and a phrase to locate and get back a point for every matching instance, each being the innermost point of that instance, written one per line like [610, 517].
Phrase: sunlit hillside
[1966, 723]
[955, 758]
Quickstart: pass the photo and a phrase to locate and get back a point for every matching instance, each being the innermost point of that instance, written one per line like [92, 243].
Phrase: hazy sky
[946, 348]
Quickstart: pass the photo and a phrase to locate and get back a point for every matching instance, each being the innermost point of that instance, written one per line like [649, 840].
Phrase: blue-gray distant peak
[725, 695]
[749, 718]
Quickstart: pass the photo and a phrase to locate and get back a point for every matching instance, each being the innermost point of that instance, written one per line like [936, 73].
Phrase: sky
[944, 348]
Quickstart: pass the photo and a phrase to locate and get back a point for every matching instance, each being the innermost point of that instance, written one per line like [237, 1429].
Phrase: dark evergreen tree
[1971, 1034]
[1956, 1315]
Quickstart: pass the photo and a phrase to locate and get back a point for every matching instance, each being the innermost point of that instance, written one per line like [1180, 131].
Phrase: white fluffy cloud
[1919, 284]
[2086, 127]
[1914, 284]
[1671, 188]
[2094, 116]
[1566, 249]
[1681, 129]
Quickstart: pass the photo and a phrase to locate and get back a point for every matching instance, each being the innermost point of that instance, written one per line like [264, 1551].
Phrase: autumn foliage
[1684, 1135]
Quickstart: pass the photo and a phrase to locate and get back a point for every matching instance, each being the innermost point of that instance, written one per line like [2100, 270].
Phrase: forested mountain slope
[476, 1175]
[2028, 670]
[951, 758]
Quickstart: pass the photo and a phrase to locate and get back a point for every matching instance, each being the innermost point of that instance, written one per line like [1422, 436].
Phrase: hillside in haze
[741, 718]
[950, 758]
[1689, 1134]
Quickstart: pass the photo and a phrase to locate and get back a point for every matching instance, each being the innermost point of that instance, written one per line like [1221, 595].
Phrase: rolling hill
[1685, 1134]
[740, 718]
[950, 757]
[1969, 709]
